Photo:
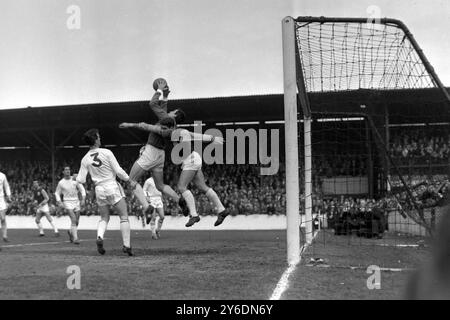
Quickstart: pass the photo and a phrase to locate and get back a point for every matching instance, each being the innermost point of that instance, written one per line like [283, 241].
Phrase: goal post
[291, 142]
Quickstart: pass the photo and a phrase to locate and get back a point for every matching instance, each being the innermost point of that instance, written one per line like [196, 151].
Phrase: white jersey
[5, 191]
[150, 189]
[192, 161]
[69, 189]
[103, 167]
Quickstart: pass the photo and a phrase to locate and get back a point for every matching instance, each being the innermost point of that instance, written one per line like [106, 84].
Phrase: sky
[204, 48]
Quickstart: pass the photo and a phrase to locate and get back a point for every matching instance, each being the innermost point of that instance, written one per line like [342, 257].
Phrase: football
[158, 82]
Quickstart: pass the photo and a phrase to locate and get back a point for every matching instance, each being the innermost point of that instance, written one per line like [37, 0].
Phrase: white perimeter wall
[240, 222]
[252, 222]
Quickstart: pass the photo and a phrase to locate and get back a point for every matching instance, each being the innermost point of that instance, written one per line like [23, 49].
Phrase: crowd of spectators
[241, 187]
[340, 164]
[362, 216]
[426, 191]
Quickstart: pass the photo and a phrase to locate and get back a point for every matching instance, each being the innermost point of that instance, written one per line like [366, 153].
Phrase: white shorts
[192, 162]
[156, 202]
[151, 158]
[109, 193]
[72, 205]
[43, 209]
[3, 204]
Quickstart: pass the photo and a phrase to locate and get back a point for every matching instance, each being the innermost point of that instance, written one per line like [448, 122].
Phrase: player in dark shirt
[152, 156]
[41, 199]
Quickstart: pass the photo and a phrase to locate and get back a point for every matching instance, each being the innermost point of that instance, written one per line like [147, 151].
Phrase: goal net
[362, 100]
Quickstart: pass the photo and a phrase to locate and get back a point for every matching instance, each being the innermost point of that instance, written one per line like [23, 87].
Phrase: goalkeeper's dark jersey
[160, 109]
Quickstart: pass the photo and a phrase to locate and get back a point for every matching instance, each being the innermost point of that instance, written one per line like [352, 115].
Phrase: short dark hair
[168, 122]
[179, 116]
[90, 136]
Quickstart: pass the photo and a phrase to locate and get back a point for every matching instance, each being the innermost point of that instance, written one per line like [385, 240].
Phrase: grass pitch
[197, 265]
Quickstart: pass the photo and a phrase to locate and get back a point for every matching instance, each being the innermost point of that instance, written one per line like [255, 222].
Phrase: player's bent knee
[181, 187]
[204, 188]
[136, 171]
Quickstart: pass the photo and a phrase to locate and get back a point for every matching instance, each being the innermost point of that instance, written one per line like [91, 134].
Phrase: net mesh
[349, 56]
[363, 186]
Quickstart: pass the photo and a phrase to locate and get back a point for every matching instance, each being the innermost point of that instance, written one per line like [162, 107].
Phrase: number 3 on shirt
[97, 162]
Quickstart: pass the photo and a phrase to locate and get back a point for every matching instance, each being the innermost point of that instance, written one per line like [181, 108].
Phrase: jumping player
[103, 167]
[192, 163]
[154, 197]
[41, 199]
[191, 170]
[69, 188]
[153, 156]
[5, 194]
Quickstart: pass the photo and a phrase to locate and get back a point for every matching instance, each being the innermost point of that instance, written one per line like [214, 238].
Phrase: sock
[168, 191]
[125, 229]
[4, 230]
[139, 194]
[152, 225]
[54, 227]
[41, 230]
[190, 201]
[74, 232]
[212, 196]
[101, 228]
[160, 223]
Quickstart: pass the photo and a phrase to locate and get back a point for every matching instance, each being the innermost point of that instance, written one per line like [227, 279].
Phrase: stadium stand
[33, 150]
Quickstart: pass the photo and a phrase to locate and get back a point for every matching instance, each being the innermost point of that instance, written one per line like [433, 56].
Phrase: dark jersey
[38, 195]
[160, 141]
[159, 108]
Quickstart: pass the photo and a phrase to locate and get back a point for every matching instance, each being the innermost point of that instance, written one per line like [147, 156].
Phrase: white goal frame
[291, 145]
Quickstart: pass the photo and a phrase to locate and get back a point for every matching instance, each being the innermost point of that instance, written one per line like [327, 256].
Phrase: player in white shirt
[154, 197]
[191, 169]
[103, 168]
[69, 189]
[5, 197]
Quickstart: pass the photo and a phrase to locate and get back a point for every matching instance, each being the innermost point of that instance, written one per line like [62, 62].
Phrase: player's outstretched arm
[160, 109]
[206, 137]
[119, 171]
